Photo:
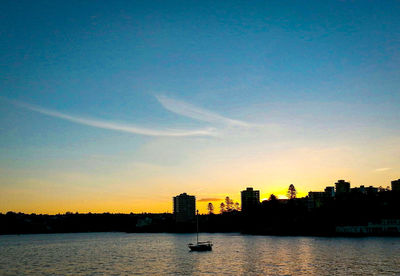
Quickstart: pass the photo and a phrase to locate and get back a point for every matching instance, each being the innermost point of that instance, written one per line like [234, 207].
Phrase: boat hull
[200, 247]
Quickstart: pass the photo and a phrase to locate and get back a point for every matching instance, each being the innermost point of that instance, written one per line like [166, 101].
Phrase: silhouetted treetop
[272, 197]
[291, 193]
[210, 208]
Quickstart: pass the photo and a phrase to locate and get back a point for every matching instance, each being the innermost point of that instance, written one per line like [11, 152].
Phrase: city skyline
[330, 191]
[120, 106]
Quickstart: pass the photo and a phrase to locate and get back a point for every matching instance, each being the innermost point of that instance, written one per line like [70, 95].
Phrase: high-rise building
[342, 187]
[184, 207]
[250, 199]
[330, 191]
[396, 185]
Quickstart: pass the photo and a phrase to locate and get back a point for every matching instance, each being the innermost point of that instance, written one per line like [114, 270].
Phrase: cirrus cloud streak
[209, 199]
[382, 169]
[117, 126]
[194, 112]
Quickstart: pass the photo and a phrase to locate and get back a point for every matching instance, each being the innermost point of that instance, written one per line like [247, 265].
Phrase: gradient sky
[117, 106]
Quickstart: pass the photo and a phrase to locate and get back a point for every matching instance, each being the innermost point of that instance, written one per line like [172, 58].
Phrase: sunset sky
[117, 106]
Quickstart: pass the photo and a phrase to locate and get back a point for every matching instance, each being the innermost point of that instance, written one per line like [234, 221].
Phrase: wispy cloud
[382, 169]
[117, 126]
[194, 112]
[209, 199]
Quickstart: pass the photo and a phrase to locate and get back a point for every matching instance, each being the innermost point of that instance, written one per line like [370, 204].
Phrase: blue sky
[134, 96]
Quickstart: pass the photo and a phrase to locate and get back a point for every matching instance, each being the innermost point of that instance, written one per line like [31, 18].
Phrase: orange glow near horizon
[40, 204]
[154, 195]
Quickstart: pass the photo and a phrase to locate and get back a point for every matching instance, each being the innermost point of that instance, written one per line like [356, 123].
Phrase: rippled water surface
[167, 254]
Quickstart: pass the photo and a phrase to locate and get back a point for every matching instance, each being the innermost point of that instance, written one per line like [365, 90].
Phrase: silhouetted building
[184, 207]
[342, 187]
[317, 199]
[358, 190]
[330, 191]
[316, 194]
[396, 185]
[371, 190]
[250, 199]
[362, 190]
[385, 227]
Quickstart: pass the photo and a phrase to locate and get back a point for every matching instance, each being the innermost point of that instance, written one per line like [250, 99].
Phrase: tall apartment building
[330, 191]
[250, 199]
[396, 185]
[184, 207]
[342, 187]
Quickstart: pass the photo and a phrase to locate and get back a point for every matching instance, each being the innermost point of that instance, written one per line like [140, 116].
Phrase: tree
[381, 189]
[272, 197]
[222, 207]
[210, 208]
[291, 193]
[228, 204]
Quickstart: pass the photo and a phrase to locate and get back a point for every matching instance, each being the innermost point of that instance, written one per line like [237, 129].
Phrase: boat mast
[197, 226]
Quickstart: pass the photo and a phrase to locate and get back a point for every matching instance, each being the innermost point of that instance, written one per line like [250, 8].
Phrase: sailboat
[200, 246]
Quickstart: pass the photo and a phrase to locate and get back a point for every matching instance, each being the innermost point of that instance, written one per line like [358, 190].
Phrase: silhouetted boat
[200, 246]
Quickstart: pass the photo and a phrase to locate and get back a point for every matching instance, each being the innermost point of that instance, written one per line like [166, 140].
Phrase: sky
[117, 106]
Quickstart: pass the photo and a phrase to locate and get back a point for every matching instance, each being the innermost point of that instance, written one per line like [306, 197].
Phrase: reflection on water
[146, 254]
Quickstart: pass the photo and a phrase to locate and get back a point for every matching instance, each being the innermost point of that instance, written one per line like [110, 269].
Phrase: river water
[167, 254]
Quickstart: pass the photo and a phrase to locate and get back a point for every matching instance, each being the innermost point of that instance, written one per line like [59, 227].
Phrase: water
[167, 254]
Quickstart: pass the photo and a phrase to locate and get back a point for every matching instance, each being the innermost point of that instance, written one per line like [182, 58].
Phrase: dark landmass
[20, 223]
[376, 214]
[352, 214]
